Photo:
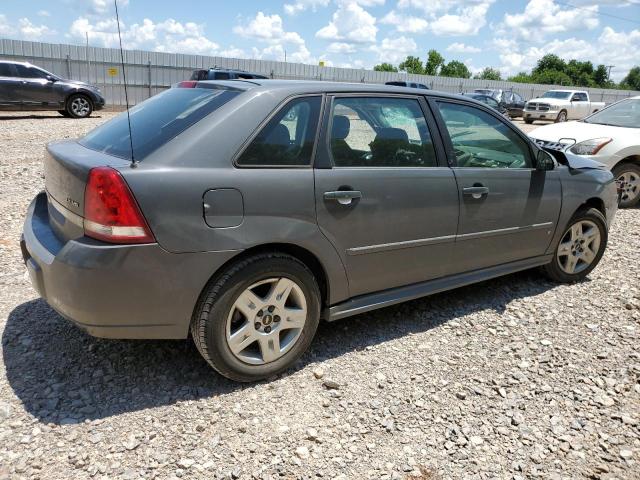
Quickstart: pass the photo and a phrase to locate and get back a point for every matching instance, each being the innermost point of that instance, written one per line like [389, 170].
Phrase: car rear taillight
[111, 213]
[187, 84]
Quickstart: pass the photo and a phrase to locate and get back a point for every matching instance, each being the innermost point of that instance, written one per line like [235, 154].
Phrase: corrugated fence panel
[148, 73]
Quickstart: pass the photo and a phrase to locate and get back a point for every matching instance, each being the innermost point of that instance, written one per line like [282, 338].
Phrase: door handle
[344, 197]
[477, 191]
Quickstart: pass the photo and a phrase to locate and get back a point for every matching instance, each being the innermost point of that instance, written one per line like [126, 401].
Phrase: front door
[384, 195]
[8, 86]
[35, 90]
[508, 209]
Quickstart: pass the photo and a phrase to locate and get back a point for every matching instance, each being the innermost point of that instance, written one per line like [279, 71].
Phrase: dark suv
[223, 74]
[26, 87]
[408, 84]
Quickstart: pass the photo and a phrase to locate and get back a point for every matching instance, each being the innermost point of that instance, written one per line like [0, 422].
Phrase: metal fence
[151, 72]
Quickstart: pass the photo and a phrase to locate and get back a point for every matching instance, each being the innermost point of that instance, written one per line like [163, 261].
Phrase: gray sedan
[244, 212]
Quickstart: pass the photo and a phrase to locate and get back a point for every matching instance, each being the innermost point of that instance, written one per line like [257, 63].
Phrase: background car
[490, 101]
[512, 101]
[560, 106]
[408, 84]
[610, 136]
[223, 74]
[230, 216]
[26, 87]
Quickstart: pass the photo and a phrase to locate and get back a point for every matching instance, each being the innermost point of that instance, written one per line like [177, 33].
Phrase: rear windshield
[156, 121]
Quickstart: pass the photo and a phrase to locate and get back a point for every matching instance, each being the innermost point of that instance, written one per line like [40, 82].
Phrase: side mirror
[544, 161]
[50, 78]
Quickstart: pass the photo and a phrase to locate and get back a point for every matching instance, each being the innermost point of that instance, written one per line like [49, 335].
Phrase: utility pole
[285, 56]
[88, 60]
[609, 74]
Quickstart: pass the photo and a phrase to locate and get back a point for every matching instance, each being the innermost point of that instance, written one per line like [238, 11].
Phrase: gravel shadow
[62, 375]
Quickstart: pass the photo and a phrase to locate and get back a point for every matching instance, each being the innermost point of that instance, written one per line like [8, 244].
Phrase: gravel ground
[512, 378]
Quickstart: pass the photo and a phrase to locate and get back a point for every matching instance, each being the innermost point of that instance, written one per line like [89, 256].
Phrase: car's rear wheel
[580, 248]
[562, 116]
[79, 106]
[257, 318]
[628, 177]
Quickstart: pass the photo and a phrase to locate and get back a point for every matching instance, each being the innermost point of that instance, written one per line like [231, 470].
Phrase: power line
[597, 12]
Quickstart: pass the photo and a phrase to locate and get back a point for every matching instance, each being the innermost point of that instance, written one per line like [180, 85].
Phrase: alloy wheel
[266, 320]
[629, 183]
[80, 107]
[579, 247]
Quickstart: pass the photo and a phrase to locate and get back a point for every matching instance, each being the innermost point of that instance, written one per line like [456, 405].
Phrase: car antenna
[134, 164]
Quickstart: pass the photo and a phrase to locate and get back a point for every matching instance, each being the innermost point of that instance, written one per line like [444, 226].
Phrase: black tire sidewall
[215, 332]
[619, 170]
[70, 100]
[555, 271]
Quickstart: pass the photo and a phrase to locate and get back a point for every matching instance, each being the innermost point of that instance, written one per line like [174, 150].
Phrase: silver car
[244, 212]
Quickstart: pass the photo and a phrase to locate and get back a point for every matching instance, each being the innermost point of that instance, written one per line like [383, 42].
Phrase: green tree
[632, 80]
[455, 69]
[435, 61]
[412, 65]
[549, 62]
[601, 76]
[385, 67]
[489, 74]
[581, 73]
[552, 77]
[522, 77]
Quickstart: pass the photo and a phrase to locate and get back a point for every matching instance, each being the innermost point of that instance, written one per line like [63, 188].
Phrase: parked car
[610, 136]
[26, 87]
[408, 84]
[244, 216]
[223, 74]
[490, 101]
[560, 106]
[511, 100]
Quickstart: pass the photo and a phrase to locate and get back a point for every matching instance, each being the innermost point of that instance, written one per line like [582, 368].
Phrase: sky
[510, 35]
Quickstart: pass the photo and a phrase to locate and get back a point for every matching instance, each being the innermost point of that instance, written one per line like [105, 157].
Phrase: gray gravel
[509, 379]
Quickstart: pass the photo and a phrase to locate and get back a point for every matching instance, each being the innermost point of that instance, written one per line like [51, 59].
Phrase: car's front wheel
[79, 106]
[256, 319]
[580, 248]
[562, 116]
[628, 177]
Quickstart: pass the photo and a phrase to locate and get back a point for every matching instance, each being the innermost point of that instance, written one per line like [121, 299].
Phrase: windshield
[555, 94]
[156, 121]
[625, 113]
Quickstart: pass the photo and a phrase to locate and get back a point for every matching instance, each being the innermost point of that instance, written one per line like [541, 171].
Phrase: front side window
[481, 140]
[380, 132]
[221, 76]
[580, 97]
[288, 138]
[26, 72]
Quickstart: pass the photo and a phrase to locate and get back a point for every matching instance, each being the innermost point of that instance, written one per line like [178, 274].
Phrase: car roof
[13, 62]
[295, 87]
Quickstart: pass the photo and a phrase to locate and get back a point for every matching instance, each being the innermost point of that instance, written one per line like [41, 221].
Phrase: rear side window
[6, 70]
[219, 76]
[199, 75]
[156, 121]
[288, 138]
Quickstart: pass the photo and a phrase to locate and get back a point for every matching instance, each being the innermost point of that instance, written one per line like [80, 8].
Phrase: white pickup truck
[560, 106]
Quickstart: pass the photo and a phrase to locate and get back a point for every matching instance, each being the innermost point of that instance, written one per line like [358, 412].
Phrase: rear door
[385, 197]
[508, 209]
[8, 86]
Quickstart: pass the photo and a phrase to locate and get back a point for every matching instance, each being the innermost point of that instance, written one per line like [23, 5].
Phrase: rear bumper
[115, 291]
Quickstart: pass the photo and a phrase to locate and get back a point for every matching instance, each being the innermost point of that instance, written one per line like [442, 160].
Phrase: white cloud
[394, 50]
[441, 17]
[268, 28]
[544, 17]
[350, 23]
[612, 47]
[458, 47]
[44, 13]
[6, 29]
[101, 7]
[302, 5]
[341, 47]
[33, 32]
[405, 23]
[166, 36]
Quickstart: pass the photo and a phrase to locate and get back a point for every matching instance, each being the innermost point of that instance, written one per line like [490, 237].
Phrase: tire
[580, 243]
[64, 113]
[528, 121]
[249, 285]
[79, 106]
[628, 177]
[562, 116]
